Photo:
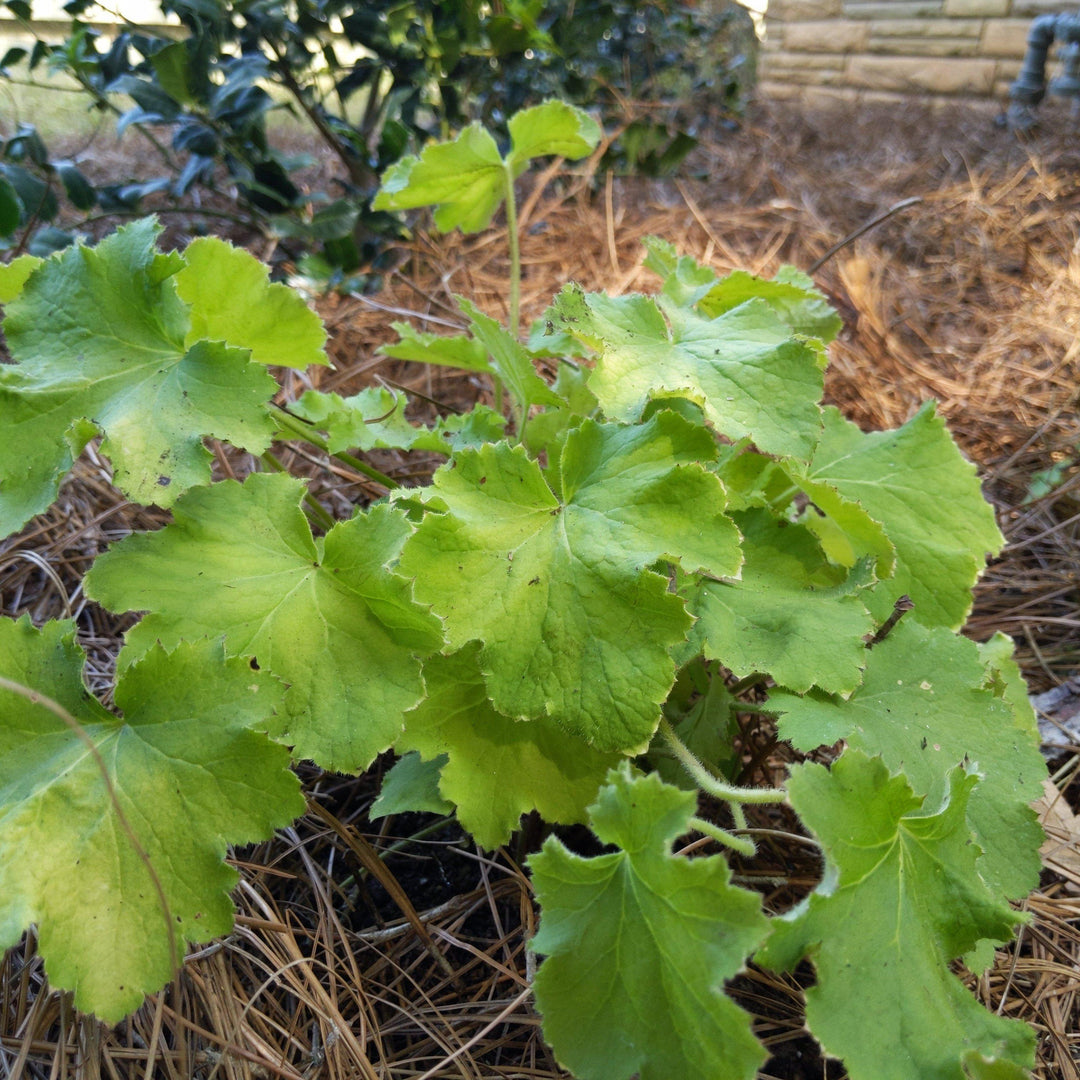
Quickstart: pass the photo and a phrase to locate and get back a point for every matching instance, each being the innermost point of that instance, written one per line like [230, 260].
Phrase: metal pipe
[1029, 88]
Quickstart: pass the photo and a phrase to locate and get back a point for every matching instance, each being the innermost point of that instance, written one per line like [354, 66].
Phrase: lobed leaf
[189, 772]
[790, 293]
[750, 376]
[467, 179]
[791, 614]
[98, 338]
[15, 274]
[464, 178]
[639, 943]
[552, 128]
[231, 299]
[325, 615]
[375, 419]
[923, 707]
[446, 350]
[411, 786]
[901, 899]
[915, 482]
[554, 580]
[510, 360]
[496, 769]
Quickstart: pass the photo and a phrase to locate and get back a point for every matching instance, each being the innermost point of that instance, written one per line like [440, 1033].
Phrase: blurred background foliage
[370, 81]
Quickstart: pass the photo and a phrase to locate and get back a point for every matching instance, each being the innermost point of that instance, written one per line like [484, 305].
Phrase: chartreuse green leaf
[790, 293]
[638, 945]
[98, 338]
[923, 707]
[510, 360]
[702, 713]
[683, 279]
[553, 579]
[577, 402]
[446, 350]
[915, 482]
[901, 900]
[497, 769]
[549, 129]
[374, 419]
[411, 787]
[189, 772]
[467, 178]
[750, 375]
[14, 275]
[232, 300]
[325, 615]
[1006, 680]
[791, 614]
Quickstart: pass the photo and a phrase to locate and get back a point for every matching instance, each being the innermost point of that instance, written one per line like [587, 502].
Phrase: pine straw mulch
[396, 949]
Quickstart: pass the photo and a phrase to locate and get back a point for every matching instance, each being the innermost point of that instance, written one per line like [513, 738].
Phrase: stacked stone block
[948, 48]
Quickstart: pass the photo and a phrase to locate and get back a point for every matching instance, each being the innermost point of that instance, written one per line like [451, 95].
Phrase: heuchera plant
[566, 619]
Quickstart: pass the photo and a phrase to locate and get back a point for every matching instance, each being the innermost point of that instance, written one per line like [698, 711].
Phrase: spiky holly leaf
[750, 375]
[639, 943]
[924, 708]
[915, 482]
[188, 774]
[98, 336]
[791, 614]
[232, 300]
[553, 580]
[790, 293]
[325, 615]
[496, 768]
[374, 419]
[11, 209]
[467, 178]
[900, 901]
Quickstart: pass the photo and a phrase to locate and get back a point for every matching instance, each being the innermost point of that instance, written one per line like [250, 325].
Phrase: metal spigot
[1030, 86]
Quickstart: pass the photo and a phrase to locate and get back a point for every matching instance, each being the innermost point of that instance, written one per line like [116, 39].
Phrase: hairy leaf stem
[515, 255]
[308, 434]
[710, 784]
[722, 836]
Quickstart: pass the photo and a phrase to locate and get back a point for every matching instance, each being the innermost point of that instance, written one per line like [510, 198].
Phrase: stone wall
[968, 48]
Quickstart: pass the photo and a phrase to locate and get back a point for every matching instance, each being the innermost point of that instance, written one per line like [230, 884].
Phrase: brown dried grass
[971, 296]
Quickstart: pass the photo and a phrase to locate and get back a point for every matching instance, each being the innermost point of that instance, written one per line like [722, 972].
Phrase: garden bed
[970, 295]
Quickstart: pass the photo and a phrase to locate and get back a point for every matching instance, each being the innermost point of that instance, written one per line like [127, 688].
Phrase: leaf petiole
[722, 836]
[310, 435]
[710, 784]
